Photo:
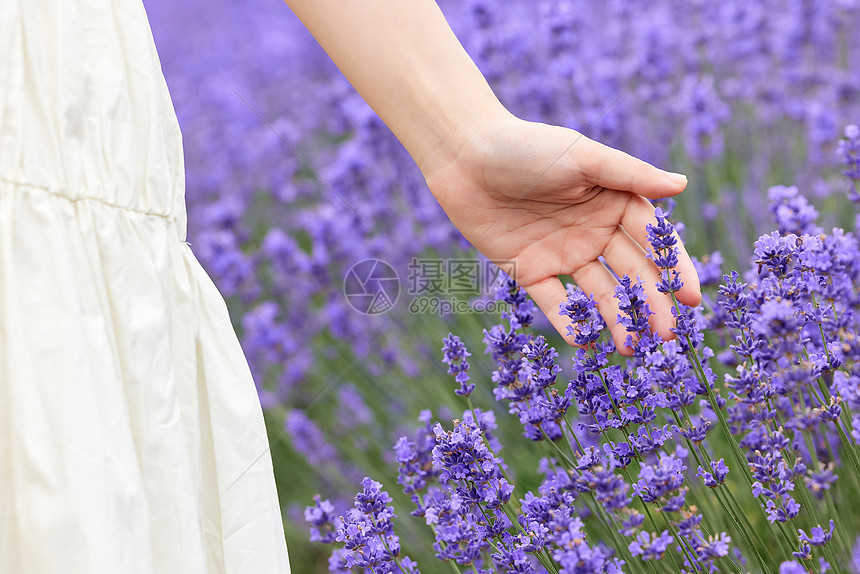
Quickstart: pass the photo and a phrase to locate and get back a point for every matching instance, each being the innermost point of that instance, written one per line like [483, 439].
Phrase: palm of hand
[555, 202]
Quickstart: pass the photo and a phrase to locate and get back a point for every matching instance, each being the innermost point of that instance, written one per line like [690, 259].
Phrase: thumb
[608, 167]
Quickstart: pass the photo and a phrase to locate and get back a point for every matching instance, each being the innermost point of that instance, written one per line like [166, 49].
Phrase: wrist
[454, 129]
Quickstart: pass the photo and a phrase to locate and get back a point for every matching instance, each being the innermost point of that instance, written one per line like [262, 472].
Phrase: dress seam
[86, 197]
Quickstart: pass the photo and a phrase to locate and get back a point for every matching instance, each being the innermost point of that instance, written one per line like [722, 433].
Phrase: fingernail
[676, 178]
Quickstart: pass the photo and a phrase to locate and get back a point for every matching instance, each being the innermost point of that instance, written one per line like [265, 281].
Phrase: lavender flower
[586, 323]
[631, 301]
[415, 459]
[455, 354]
[466, 511]
[463, 457]
[324, 522]
[848, 150]
[575, 555]
[716, 476]
[662, 483]
[819, 537]
[651, 546]
[367, 533]
[791, 211]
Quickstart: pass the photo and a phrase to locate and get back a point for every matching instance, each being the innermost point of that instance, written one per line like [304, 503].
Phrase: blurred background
[288, 170]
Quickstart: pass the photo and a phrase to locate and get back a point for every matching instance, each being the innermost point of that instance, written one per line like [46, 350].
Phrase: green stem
[845, 546]
[651, 519]
[700, 374]
[650, 564]
[849, 448]
[689, 553]
[745, 533]
[744, 527]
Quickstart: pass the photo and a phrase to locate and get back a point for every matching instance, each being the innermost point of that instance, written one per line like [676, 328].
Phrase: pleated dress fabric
[131, 436]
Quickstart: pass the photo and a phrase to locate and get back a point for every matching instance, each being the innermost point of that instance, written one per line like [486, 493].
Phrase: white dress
[131, 436]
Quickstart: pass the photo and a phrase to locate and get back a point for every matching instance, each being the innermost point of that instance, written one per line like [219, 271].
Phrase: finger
[637, 215]
[548, 294]
[607, 167]
[626, 257]
[595, 279]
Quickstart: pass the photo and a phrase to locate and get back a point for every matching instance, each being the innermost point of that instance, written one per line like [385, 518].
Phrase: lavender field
[734, 447]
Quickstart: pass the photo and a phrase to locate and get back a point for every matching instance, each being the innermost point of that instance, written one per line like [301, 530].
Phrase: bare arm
[405, 61]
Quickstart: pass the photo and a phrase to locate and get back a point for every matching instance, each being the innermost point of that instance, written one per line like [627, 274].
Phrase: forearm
[405, 61]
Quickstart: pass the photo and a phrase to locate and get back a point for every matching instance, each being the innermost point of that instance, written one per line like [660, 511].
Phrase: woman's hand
[554, 202]
[545, 197]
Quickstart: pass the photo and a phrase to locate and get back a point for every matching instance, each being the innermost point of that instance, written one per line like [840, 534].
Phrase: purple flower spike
[848, 150]
[324, 522]
[586, 323]
[454, 355]
[367, 533]
[791, 211]
[631, 300]
[715, 546]
[717, 476]
[650, 546]
[664, 252]
[819, 536]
